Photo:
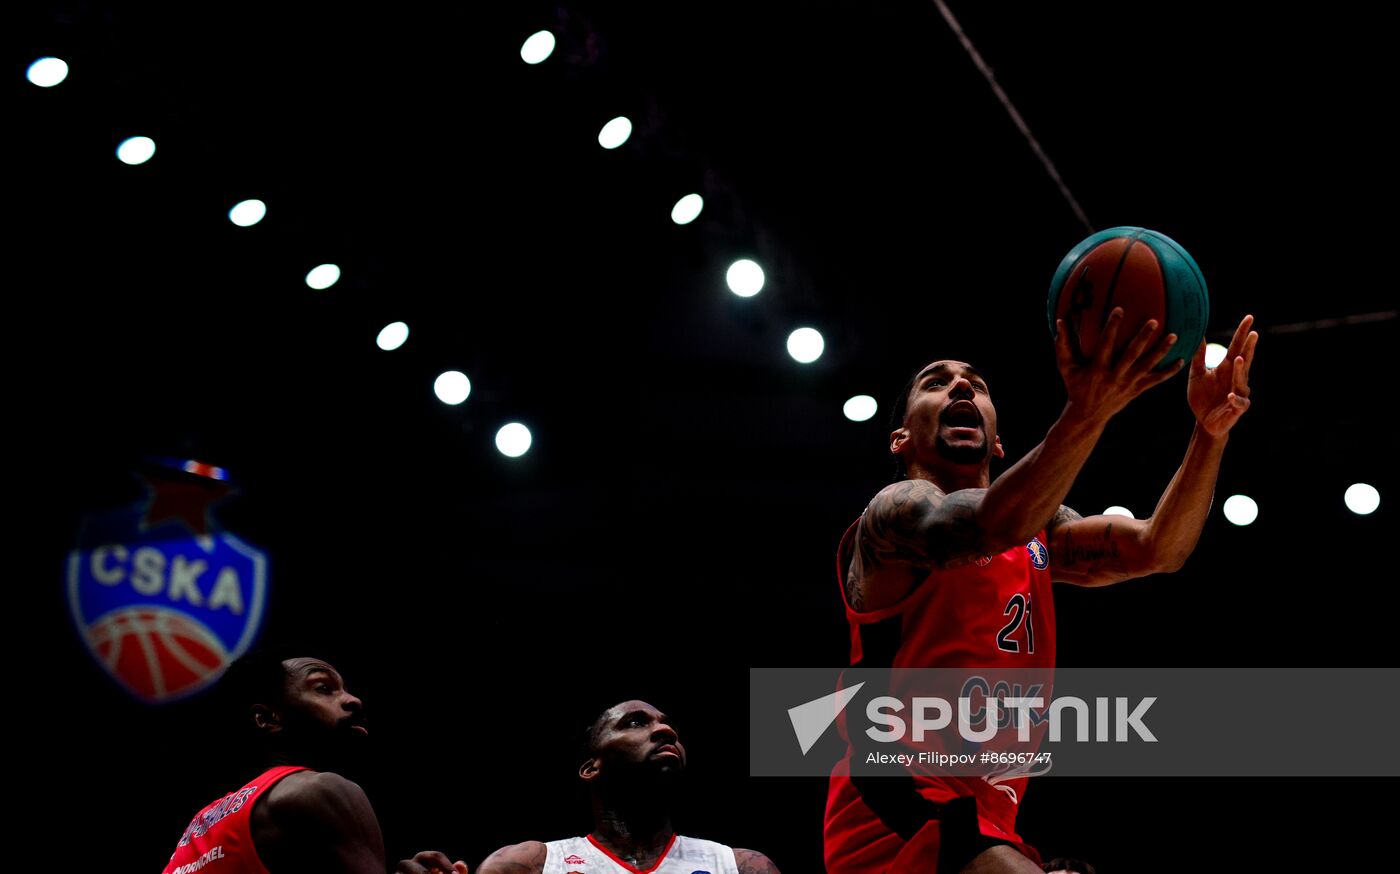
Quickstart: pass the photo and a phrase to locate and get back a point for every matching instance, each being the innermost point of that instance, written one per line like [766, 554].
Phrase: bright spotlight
[323, 277]
[136, 150]
[247, 213]
[1215, 353]
[1116, 510]
[687, 209]
[1240, 509]
[538, 47]
[805, 345]
[47, 72]
[452, 387]
[513, 440]
[615, 133]
[1362, 499]
[860, 408]
[392, 336]
[745, 278]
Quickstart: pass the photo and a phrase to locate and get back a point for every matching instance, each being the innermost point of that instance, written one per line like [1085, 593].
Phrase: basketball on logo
[1040, 556]
[159, 654]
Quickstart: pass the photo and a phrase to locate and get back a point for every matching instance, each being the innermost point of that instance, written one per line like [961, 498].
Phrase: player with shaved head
[633, 761]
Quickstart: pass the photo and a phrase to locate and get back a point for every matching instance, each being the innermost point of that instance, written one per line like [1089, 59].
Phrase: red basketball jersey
[995, 612]
[220, 835]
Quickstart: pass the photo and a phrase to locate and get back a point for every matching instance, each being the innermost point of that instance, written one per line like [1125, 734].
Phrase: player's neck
[301, 759]
[637, 835]
[953, 477]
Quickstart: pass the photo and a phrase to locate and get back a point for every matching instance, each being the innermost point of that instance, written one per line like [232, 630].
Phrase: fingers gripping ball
[1147, 274]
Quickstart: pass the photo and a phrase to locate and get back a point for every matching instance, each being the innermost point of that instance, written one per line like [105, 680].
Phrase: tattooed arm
[1101, 550]
[914, 525]
[916, 522]
[1096, 551]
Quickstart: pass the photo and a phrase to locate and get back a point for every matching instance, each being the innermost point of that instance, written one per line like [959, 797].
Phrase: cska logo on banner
[162, 596]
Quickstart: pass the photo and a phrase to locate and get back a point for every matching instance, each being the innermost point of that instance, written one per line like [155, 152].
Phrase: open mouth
[962, 414]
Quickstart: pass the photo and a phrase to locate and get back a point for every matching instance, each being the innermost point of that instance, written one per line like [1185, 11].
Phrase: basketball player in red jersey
[634, 760]
[298, 814]
[948, 569]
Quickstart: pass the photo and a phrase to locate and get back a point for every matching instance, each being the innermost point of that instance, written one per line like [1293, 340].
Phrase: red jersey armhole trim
[659, 859]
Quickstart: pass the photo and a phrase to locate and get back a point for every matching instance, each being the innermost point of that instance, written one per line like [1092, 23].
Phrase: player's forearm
[1024, 498]
[1176, 523]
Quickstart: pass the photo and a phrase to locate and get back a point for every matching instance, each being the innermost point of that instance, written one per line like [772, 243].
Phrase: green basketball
[1146, 273]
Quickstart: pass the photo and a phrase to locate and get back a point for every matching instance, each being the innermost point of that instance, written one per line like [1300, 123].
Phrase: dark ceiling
[688, 481]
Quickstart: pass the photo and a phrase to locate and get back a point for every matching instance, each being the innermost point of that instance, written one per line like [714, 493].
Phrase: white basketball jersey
[683, 856]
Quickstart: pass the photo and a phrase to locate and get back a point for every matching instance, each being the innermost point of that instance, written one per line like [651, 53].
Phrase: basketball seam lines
[1113, 283]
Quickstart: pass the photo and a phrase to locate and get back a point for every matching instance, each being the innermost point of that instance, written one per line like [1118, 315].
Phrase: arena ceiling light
[323, 276]
[247, 213]
[860, 408]
[513, 440]
[537, 47]
[47, 72]
[687, 209]
[1362, 498]
[615, 132]
[1116, 510]
[392, 336]
[1215, 353]
[1240, 509]
[452, 387]
[805, 345]
[136, 150]
[745, 278]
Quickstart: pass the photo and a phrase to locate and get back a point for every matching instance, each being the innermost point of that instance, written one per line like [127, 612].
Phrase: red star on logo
[186, 499]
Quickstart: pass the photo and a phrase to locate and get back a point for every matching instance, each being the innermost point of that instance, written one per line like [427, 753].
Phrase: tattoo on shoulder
[855, 595]
[897, 525]
[753, 862]
[1063, 516]
[524, 858]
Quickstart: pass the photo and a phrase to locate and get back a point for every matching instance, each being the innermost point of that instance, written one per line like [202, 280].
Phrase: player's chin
[973, 451]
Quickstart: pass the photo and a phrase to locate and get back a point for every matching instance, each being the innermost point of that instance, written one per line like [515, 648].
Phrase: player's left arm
[1099, 550]
[753, 862]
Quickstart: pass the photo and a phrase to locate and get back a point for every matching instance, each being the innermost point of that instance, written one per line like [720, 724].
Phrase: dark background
[675, 521]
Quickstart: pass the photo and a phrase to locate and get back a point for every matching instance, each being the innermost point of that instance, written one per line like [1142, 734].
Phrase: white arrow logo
[810, 720]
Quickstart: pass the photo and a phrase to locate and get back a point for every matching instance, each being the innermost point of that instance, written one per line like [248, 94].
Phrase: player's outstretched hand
[430, 862]
[1219, 395]
[1105, 385]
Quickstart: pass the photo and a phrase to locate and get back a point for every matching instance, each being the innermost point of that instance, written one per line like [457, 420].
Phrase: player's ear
[266, 719]
[589, 769]
[897, 440]
[997, 451]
